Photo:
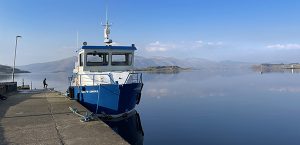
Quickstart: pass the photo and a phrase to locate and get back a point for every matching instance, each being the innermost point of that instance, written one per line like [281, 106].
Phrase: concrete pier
[43, 117]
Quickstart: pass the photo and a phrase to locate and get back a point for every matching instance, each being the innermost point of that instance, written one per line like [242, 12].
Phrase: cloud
[159, 47]
[186, 45]
[116, 43]
[285, 46]
[203, 44]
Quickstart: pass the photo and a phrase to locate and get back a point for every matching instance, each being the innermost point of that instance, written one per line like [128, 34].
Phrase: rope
[84, 118]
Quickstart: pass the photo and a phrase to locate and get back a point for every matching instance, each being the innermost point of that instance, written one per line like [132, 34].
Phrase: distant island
[163, 69]
[8, 70]
[281, 67]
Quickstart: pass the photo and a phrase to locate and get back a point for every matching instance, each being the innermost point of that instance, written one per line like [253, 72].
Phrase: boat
[104, 80]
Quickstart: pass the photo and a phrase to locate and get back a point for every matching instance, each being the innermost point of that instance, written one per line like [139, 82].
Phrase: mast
[107, 26]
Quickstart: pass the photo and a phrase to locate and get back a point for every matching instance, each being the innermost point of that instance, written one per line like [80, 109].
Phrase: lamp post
[13, 72]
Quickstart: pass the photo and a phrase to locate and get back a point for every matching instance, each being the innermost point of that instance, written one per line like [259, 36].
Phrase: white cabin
[105, 59]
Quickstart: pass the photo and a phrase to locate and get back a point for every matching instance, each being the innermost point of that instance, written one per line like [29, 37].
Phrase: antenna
[107, 25]
[77, 41]
[106, 13]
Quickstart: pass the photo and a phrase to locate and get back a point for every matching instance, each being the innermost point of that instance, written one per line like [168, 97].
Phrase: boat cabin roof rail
[132, 47]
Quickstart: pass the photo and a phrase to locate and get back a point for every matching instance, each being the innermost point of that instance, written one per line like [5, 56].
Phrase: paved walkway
[43, 117]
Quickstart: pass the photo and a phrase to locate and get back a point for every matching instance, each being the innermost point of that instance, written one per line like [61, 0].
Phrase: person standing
[45, 83]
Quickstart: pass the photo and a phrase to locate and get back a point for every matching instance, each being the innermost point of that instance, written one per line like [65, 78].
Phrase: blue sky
[240, 30]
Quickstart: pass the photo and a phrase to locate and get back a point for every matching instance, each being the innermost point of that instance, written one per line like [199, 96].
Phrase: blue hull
[111, 99]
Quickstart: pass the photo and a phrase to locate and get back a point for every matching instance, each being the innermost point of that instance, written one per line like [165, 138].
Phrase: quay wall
[7, 87]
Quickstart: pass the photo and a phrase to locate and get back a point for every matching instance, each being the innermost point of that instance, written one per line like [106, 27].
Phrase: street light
[13, 72]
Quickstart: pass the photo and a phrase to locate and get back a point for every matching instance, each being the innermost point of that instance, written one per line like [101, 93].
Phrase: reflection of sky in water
[200, 107]
[217, 108]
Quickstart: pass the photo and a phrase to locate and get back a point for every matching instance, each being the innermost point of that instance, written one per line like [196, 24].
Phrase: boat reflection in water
[129, 127]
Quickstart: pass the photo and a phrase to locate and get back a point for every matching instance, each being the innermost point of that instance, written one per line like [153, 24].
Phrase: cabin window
[80, 60]
[96, 59]
[121, 59]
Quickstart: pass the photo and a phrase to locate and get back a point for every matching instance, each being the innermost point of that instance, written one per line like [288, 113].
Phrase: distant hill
[7, 70]
[67, 65]
[63, 65]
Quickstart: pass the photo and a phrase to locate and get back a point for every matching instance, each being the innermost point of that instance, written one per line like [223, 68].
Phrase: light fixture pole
[13, 72]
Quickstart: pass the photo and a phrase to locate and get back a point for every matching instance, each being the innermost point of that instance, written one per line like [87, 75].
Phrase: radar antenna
[107, 26]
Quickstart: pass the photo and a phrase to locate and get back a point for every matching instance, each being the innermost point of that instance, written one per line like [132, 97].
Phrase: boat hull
[110, 99]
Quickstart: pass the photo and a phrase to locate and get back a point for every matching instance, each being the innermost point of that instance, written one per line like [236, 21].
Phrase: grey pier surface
[43, 117]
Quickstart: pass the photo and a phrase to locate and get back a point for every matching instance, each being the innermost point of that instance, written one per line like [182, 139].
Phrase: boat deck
[43, 117]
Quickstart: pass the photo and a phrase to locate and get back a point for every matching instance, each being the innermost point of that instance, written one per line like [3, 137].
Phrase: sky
[259, 31]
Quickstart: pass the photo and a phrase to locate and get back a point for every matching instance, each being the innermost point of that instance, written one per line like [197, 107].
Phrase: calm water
[211, 108]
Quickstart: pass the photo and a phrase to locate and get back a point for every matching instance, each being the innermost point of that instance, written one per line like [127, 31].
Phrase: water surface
[211, 107]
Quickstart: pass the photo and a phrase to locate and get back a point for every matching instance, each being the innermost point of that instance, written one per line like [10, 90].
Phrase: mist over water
[211, 107]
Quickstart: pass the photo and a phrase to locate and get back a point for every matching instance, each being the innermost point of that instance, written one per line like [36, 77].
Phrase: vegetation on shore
[163, 69]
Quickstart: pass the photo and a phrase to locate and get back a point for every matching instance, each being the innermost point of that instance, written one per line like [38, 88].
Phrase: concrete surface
[43, 117]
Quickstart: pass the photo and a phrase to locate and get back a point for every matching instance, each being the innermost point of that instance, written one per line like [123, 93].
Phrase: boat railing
[93, 76]
[131, 78]
[134, 78]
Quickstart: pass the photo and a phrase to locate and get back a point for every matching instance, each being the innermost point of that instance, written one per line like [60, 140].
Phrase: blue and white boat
[104, 79]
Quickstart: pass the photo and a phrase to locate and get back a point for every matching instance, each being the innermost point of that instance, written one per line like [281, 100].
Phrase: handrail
[136, 78]
[93, 78]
